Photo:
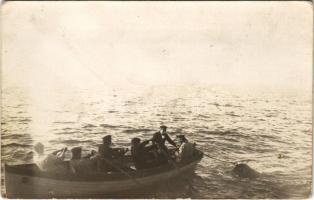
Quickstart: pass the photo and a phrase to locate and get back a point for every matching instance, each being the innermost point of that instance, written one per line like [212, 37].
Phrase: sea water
[270, 127]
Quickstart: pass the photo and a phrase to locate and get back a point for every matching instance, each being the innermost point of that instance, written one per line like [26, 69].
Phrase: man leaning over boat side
[186, 149]
[50, 162]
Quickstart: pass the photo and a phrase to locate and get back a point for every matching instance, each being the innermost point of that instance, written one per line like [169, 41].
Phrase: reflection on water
[228, 124]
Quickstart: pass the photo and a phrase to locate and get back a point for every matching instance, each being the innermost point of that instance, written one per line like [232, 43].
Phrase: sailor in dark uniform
[141, 155]
[161, 137]
[79, 165]
[104, 150]
[106, 153]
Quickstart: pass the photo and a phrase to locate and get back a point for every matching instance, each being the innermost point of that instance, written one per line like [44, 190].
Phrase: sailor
[107, 151]
[75, 162]
[104, 150]
[161, 137]
[50, 162]
[186, 149]
[79, 164]
[162, 152]
[141, 155]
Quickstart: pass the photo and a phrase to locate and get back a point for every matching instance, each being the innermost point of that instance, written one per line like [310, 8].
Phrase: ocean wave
[97, 133]
[176, 119]
[110, 126]
[128, 103]
[226, 134]
[89, 126]
[25, 120]
[219, 132]
[19, 120]
[225, 105]
[137, 130]
[11, 136]
[24, 137]
[232, 139]
[71, 141]
[67, 128]
[232, 114]
[112, 111]
[66, 132]
[14, 144]
[63, 122]
[203, 116]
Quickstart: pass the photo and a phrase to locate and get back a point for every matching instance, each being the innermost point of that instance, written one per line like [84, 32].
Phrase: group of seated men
[144, 155]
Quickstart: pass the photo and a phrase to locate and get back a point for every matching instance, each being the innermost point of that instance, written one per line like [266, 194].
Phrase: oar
[122, 171]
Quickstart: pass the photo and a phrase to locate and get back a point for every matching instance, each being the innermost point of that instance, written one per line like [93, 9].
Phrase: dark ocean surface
[272, 128]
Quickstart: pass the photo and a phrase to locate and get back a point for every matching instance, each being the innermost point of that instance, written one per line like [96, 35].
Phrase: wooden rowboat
[27, 181]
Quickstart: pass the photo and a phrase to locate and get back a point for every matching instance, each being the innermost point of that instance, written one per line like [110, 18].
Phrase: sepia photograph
[156, 99]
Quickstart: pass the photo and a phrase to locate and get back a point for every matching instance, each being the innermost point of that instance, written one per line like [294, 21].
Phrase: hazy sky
[87, 44]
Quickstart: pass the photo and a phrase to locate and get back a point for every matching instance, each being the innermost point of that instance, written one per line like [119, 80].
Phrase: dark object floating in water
[27, 181]
[244, 171]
